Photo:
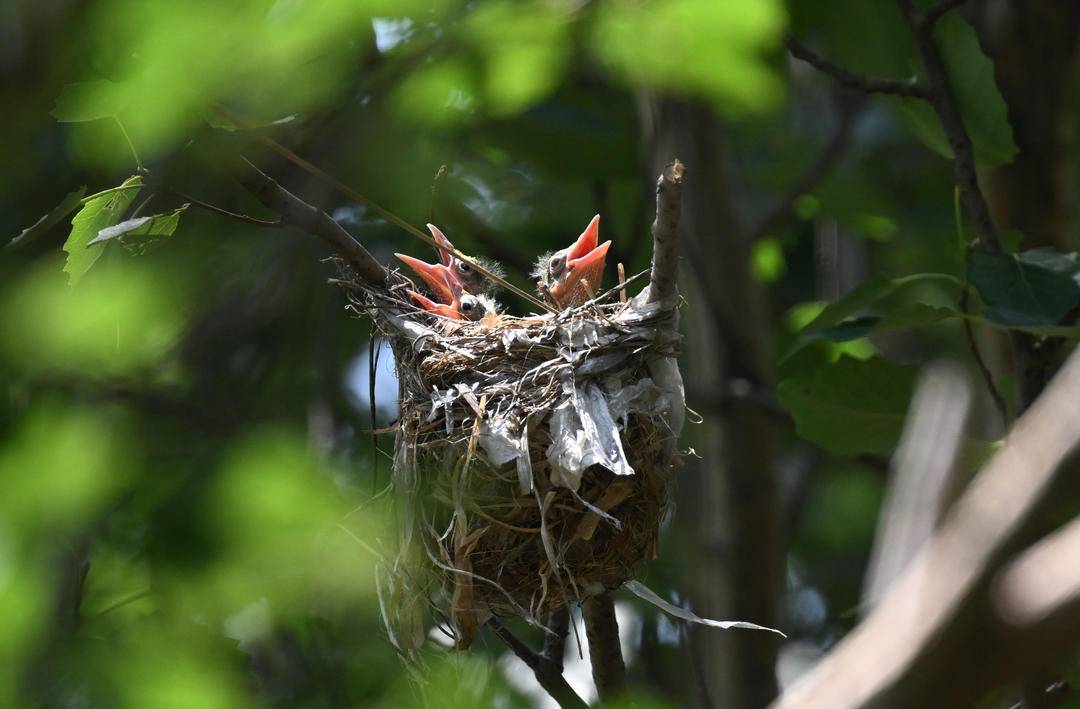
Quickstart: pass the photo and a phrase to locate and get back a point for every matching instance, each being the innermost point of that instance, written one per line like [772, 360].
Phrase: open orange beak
[439, 278]
[584, 264]
[446, 249]
[452, 308]
[447, 311]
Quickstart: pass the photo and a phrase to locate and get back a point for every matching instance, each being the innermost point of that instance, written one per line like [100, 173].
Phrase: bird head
[460, 305]
[572, 275]
[470, 279]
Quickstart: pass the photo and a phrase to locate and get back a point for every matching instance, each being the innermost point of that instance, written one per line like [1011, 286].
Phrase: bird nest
[532, 457]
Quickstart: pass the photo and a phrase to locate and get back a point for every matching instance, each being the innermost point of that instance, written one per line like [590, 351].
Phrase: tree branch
[605, 652]
[553, 682]
[551, 657]
[980, 363]
[815, 172]
[943, 99]
[934, 640]
[665, 231]
[858, 82]
[298, 213]
[933, 14]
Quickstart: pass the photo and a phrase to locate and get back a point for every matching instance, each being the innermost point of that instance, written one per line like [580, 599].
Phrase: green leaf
[53, 216]
[869, 292]
[1046, 257]
[906, 317]
[1025, 290]
[157, 225]
[91, 101]
[526, 50]
[851, 406]
[767, 262]
[912, 316]
[982, 107]
[97, 214]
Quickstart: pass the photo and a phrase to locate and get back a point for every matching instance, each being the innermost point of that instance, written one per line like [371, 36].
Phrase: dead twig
[298, 213]
[858, 82]
[665, 232]
[553, 682]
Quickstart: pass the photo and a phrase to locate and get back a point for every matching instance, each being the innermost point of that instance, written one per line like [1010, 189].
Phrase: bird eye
[467, 306]
[557, 264]
[464, 267]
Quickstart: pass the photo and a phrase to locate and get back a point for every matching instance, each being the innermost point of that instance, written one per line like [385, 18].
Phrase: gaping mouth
[584, 263]
[442, 281]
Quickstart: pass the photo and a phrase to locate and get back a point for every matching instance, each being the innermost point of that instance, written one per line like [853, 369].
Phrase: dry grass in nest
[494, 520]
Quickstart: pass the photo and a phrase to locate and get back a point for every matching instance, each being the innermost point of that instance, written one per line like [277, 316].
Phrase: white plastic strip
[643, 592]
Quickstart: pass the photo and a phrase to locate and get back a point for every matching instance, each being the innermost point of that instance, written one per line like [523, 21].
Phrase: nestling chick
[471, 279]
[461, 305]
[571, 276]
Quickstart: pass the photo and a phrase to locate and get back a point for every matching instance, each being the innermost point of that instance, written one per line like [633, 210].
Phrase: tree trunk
[1034, 43]
[729, 495]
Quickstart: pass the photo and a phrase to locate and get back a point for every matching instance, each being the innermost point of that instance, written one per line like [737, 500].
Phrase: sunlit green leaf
[716, 49]
[767, 261]
[984, 112]
[278, 524]
[1019, 290]
[97, 214]
[54, 216]
[25, 592]
[91, 101]
[59, 469]
[117, 320]
[441, 93]
[157, 225]
[526, 51]
[850, 406]
[175, 668]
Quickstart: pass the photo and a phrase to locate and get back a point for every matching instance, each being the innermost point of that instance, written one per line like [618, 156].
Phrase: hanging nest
[532, 457]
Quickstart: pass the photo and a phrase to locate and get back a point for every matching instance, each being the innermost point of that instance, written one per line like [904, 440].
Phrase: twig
[622, 282]
[279, 222]
[943, 99]
[553, 683]
[665, 231]
[932, 14]
[439, 175]
[386, 214]
[815, 172]
[605, 652]
[298, 213]
[980, 363]
[867, 84]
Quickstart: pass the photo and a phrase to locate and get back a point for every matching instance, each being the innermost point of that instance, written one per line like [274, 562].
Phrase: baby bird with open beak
[458, 297]
[471, 279]
[571, 276]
